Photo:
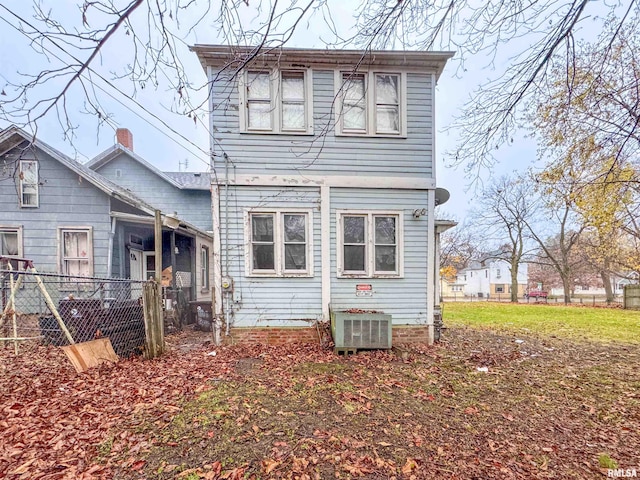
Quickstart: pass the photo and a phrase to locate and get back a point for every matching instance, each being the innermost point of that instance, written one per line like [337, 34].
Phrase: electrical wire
[111, 85]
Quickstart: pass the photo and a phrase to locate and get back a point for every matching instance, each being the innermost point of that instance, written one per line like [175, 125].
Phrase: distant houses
[486, 278]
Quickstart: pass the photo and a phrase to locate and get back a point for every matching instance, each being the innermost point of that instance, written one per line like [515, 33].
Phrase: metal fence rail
[53, 308]
[593, 300]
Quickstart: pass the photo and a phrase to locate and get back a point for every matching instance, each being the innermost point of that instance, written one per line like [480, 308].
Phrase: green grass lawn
[602, 324]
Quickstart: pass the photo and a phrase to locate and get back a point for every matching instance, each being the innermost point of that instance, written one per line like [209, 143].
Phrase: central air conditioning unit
[361, 330]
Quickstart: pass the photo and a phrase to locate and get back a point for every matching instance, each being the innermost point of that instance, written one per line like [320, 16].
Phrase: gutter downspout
[227, 307]
[431, 260]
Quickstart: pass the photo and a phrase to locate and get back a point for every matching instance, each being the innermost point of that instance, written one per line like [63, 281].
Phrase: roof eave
[234, 57]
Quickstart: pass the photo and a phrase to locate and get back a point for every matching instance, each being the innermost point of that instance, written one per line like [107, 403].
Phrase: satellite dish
[442, 195]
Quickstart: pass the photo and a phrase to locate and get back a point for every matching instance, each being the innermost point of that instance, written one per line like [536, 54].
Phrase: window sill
[280, 275]
[371, 135]
[271, 132]
[365, 276]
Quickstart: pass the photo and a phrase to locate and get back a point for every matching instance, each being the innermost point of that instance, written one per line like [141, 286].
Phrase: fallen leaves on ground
[545, 409]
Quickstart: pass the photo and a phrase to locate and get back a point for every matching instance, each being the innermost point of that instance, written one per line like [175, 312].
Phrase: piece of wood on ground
[86, 355]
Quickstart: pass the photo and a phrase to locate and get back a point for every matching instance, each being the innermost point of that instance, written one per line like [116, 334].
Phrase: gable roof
[180, 180]
[117, 150]
[13, 136]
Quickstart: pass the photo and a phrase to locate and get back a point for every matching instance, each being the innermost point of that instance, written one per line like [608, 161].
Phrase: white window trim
[75, 228]
[278, 235]
[14, 229]
[370, 107]
[369, 243]
[276, 102]
[205, 268]
[37, 185]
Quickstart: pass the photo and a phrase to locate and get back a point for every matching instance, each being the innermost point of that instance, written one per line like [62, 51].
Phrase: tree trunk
[606, 280]
[514, 282]
[566, 285]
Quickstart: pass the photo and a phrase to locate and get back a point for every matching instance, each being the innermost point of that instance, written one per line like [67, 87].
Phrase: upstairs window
[370, 244]
[354, 103]
[76, 251]
[279, 244]
[259, 101]
[292, 89]
[276, 102]
[371, 104]
[387, 104]
[29, 195]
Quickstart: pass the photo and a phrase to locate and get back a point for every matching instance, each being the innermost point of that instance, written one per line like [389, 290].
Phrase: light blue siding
[268, 301]
[324, 153]
[66, 199]
[404, 298]
[193, 206]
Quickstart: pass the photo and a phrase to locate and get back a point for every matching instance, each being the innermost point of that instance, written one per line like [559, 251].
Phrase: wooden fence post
[153, 320]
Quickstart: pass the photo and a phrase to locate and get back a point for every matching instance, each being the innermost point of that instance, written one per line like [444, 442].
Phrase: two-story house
[489, 278]
[324, 185]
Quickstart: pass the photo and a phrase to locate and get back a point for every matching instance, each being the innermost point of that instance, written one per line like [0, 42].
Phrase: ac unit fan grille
[366, 333]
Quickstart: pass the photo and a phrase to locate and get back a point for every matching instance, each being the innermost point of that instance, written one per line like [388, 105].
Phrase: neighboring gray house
[71, 220]
[324, 192]
[183, 195]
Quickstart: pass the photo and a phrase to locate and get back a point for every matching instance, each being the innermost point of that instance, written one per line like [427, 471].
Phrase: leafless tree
[459, 246]
[557, 236]
[157, 32]
[504, 207]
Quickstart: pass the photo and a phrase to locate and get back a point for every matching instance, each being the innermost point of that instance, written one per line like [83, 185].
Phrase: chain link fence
[51, 308]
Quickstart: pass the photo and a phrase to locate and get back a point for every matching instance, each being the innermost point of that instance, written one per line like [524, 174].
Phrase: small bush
[606, 461]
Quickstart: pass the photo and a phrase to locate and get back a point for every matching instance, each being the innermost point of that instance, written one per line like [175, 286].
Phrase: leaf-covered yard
[544, 408]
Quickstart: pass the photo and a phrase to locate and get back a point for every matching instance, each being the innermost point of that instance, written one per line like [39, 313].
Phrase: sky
[182, 143]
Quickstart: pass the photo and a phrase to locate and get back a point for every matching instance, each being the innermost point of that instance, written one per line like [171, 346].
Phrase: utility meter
[227, 284]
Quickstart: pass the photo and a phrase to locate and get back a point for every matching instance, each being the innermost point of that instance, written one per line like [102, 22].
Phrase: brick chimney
[124, 138]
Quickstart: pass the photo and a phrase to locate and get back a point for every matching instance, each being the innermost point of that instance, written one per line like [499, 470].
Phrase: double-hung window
[259, 108]
[277, 101]
[10, 246]
[370, 244]
[371, 104]
[76, 251]
[29, 194]
[279, 243]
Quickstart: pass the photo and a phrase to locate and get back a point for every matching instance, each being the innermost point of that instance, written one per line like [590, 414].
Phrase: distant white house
[489, 277]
